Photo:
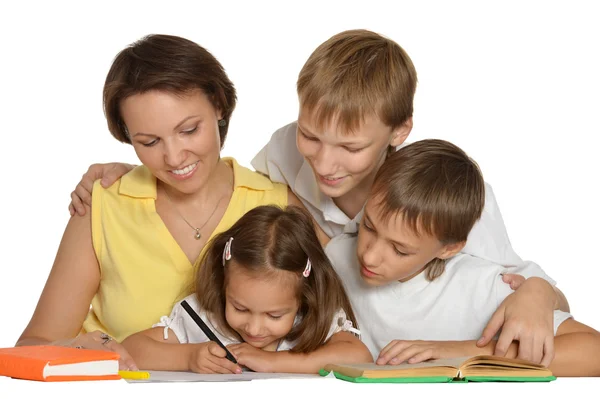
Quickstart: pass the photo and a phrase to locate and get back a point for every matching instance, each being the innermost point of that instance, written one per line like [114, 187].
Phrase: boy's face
[388, 250]
[346, 162]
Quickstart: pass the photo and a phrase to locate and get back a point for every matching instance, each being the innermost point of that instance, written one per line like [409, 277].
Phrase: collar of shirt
[307, 188]
[141, 183]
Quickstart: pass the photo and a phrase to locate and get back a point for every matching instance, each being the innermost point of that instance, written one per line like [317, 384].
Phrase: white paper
[180, 376]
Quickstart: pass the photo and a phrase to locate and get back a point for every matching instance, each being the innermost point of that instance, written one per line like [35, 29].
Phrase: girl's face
[346, 162]
[175, 136]
[261, 310]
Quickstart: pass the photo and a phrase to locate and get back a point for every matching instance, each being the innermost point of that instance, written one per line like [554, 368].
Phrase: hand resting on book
[94, 340]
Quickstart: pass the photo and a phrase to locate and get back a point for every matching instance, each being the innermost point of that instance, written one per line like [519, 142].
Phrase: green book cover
[458, 370]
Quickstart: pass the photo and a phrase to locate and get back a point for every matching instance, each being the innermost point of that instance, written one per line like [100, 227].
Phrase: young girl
[267, 290]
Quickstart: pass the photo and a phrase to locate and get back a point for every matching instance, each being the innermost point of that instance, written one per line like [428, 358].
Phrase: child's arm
[517, 280]
[152, 351]
[525, 316]
[82, 195]
[342, 347]
[577, 348]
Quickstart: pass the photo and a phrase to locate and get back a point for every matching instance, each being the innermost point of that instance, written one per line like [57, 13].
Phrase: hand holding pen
[209, 358]
[213, 356]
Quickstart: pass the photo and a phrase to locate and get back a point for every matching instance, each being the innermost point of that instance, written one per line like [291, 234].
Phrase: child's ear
[400, 134]
[449, 250]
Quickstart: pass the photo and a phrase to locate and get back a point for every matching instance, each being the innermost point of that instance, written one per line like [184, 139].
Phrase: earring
[222, 122]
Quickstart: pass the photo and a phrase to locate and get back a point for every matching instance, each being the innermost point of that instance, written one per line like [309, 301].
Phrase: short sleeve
[279, 159]
[340, 323]
[181, 324]
[559, 318]
[173, 322]
[488, 238]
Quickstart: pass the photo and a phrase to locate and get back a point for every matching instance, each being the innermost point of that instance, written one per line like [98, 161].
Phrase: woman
[133, 256]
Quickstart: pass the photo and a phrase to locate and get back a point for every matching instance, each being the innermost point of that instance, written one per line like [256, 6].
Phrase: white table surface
[568, 388]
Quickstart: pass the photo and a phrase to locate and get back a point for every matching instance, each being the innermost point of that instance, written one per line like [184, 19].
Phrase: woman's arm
[65, 300]
[71, 285]
[342, 347]
[151, 351]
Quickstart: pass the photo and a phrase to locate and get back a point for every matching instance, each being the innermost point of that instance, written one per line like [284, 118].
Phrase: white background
[515, 84]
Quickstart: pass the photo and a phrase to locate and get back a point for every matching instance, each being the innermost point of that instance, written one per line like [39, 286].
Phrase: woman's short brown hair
[436, 188]
[268, 241]
[167, 63]
[357, 73]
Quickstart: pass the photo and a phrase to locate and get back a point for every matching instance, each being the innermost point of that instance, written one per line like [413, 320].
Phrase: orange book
[58, 363]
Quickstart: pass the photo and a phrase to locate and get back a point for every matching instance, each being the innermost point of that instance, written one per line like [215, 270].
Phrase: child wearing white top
[356, 95]
[408, 282]
[268, 292]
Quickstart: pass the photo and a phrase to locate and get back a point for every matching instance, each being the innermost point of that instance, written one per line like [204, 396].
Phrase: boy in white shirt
[356, 95]
[415, 295]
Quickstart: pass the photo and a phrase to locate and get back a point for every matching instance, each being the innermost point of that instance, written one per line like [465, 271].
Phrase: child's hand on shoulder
[399, 351]
[209, 358]
[255, 359]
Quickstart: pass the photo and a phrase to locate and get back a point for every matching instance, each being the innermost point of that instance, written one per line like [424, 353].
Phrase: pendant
[197, 236]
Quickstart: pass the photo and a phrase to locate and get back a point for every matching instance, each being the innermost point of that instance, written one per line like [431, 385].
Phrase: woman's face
[176, 136]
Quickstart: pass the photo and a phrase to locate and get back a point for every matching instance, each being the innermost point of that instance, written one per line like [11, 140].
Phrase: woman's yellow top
[143, 270]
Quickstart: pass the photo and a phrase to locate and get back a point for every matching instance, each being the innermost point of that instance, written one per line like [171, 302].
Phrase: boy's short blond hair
[355, 74]
[436, 187]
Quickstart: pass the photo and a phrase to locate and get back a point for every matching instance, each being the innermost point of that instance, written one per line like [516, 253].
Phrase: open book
[478, 368]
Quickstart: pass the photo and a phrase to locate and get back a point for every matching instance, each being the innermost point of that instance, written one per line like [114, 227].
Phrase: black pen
[206, 330]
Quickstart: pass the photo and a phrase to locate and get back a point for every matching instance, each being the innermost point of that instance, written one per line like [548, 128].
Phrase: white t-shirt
[281, 162]
[188, 332]
[455, 306]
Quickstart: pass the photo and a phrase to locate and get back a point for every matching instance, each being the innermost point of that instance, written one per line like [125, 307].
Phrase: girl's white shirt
[187, 331]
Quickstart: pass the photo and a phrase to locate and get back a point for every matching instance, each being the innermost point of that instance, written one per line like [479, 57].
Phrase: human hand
[209, 358]
[514, 280]
[108, 172]
[254, 358]
[98, 340]
[527, 316]
[399, 351]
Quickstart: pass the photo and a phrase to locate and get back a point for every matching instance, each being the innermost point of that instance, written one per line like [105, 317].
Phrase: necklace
[197, 234]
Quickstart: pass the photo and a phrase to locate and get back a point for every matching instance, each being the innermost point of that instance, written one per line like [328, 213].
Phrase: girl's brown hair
[266, 241]
[167, 63]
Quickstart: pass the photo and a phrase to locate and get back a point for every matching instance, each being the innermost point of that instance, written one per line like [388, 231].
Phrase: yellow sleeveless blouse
[143, 270]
